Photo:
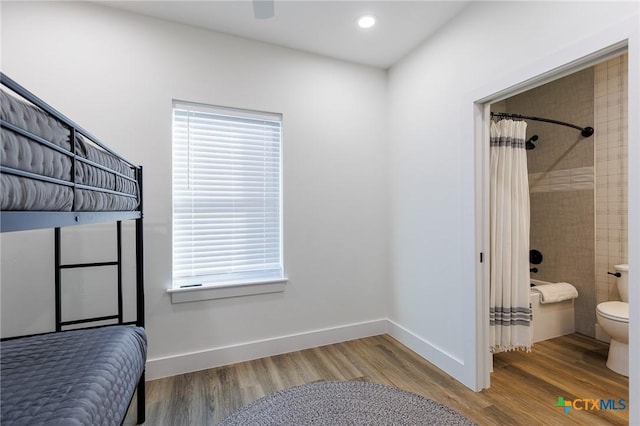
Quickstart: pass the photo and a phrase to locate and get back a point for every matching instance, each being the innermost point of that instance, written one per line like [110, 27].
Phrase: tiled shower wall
[562, 186]
[611, 173]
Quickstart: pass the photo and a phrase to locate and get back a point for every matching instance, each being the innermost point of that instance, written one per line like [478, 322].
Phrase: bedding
[79, 377]
[33, 120]
[19, 193]
[21, 153]
[85, 200]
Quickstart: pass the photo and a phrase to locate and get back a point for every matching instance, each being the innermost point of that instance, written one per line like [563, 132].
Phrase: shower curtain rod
[585, 131]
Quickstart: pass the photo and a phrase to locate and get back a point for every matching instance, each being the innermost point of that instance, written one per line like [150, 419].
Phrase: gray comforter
[80, 377]
[19, 152]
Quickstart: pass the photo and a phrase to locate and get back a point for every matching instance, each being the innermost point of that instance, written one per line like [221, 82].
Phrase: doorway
[482, 109]
[578, 190]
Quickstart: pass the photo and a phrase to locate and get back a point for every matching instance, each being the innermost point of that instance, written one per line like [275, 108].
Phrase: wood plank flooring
[524, 387]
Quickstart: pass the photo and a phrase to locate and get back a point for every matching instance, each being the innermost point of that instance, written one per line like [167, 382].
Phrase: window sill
[223, 291]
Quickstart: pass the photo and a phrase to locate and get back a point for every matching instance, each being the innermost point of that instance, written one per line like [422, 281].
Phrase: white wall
[432, 154]
[116, 74]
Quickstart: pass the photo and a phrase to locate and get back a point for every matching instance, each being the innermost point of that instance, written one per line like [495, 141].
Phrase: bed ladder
[59, 267]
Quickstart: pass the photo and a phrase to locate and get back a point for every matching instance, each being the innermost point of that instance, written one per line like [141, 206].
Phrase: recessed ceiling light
[366, 21]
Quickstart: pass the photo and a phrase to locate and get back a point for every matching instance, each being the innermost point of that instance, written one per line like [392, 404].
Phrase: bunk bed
[55, 174]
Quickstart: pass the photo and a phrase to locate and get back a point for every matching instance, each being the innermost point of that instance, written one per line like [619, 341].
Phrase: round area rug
[344, 403]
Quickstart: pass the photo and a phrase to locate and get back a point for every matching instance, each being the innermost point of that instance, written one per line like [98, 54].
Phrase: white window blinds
[226, 195]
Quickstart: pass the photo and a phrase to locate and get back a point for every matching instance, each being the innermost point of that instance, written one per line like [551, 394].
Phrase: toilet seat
[614, 311]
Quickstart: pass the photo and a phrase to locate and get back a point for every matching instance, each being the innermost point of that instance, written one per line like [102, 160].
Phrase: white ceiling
[322, 27]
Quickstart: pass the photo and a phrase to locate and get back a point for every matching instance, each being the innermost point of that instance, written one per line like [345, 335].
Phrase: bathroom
[578, 185]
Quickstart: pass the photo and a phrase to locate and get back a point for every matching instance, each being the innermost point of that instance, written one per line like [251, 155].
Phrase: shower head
[529, 143]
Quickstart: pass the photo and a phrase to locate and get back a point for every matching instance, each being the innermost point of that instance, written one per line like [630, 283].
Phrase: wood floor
[524, 387]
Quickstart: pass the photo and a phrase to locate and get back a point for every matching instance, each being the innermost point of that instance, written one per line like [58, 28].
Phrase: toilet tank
[623, 282]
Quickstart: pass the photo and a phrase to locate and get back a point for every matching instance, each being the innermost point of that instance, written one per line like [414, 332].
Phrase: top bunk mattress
[79, 377]
[106, 183]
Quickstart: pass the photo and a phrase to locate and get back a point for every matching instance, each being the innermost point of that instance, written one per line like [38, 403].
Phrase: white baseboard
[226, 355]
[216, 357]
[440, 358]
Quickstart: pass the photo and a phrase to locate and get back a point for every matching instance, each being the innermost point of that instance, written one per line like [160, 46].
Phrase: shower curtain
[509, 311]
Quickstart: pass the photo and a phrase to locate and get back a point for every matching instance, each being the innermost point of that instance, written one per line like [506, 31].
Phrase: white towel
[556, 292]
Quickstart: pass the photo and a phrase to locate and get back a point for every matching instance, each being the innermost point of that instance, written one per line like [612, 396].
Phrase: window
[227, 216]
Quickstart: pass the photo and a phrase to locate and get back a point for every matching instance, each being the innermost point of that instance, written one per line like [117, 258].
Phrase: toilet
[613, 317]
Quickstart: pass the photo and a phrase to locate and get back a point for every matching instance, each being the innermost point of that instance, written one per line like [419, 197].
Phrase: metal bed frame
[11, 221]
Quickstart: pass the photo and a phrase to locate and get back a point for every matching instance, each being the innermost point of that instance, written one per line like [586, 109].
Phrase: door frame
[624, 37]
